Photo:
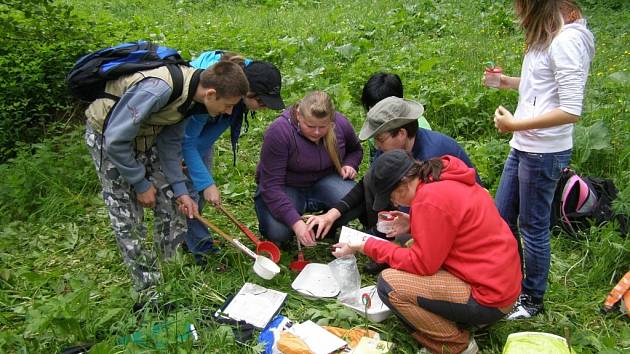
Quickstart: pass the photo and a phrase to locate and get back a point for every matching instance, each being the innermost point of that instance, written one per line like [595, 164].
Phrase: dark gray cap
[265, 81]
[385, 174]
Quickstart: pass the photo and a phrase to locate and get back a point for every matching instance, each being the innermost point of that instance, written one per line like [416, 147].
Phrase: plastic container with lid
[385, 223]
[493, 76]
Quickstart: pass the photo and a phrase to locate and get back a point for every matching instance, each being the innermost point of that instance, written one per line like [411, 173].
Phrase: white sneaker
[472, 347]
[525, 307]
[518, 312]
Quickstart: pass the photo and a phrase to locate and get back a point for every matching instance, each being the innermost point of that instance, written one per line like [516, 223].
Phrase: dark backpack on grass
[87, 78]
[581, 201]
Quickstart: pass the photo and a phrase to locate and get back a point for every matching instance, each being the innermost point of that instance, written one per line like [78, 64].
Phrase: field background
[61, 277]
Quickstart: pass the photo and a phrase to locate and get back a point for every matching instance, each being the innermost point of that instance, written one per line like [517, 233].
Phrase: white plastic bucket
[265, 267]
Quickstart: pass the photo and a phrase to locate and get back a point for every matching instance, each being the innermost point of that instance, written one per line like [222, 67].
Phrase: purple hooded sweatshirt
[287, 158]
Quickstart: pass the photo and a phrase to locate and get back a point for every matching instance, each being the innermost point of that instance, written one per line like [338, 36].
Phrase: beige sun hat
[390, 113]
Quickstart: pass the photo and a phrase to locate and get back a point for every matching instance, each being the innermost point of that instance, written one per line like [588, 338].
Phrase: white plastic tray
[378, 311]
[316, 281]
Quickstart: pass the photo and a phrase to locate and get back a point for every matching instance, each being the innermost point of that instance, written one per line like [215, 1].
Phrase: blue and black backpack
[87, 78]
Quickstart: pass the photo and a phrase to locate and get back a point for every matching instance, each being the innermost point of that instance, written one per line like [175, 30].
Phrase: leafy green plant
[332, 314]
[589, 139]
[489, 157]
[41, 41]
[51, 180]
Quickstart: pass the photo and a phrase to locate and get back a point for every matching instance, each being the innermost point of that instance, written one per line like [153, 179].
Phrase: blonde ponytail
[330, 143]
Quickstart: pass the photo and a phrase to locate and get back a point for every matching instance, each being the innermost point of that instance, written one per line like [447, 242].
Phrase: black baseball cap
[265, 81]
[385, 174]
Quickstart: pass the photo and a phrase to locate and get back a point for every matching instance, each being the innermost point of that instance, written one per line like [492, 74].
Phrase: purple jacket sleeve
[354, 150]
[274, 158]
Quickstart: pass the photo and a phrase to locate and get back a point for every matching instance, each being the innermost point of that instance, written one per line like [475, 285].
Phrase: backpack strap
[178, 82]
[585, 199]
[583, 191]
[192, 88]
[178, 88]
[568, 186]
[104, 94]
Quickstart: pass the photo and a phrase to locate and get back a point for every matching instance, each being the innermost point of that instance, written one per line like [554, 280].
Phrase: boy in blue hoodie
[203, 130]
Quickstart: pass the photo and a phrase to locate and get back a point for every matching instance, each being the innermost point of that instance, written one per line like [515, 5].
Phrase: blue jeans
[198, 238]
[524, 201]
[321, 196]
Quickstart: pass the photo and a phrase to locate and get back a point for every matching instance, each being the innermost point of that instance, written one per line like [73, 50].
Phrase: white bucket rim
[265, 267]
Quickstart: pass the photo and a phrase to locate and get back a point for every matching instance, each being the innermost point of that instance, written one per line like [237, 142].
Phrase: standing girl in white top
[559, 50]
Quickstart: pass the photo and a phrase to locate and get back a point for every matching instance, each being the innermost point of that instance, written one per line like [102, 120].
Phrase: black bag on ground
[87, 78]
[580, 201]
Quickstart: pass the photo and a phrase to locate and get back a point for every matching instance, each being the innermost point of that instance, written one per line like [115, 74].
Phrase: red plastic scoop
[267, 247]
[300, 263]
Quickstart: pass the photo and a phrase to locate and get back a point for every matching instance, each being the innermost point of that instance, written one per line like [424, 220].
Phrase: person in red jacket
[463, 268]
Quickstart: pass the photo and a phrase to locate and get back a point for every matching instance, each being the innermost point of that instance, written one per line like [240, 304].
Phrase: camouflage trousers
[127, 215]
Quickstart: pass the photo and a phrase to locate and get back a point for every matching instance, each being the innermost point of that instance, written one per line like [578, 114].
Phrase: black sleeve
[353, 199]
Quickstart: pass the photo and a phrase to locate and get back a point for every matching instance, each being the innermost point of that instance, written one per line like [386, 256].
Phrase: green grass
[61, 276]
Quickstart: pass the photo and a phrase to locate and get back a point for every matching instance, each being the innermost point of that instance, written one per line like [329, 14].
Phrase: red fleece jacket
[456, 227]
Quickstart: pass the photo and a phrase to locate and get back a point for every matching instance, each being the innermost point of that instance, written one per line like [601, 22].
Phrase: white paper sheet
[316, 281]
[319, 340]
[347, 234]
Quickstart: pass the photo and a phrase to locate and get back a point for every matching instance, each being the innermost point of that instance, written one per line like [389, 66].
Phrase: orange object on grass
[620, 290]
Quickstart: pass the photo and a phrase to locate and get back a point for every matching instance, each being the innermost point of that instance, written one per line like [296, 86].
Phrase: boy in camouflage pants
[138, 156]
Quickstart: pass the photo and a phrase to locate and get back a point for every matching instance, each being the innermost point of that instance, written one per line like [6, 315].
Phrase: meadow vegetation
[61, 276]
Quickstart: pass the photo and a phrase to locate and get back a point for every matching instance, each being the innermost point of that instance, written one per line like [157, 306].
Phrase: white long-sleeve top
[550, 79]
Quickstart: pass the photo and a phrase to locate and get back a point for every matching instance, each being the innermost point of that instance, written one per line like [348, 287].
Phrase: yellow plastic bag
[536, 343]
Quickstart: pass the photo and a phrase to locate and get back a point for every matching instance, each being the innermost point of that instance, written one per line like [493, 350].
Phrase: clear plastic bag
[346, 273]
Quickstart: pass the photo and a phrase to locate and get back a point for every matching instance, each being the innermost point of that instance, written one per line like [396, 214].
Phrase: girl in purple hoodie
[309, 158]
